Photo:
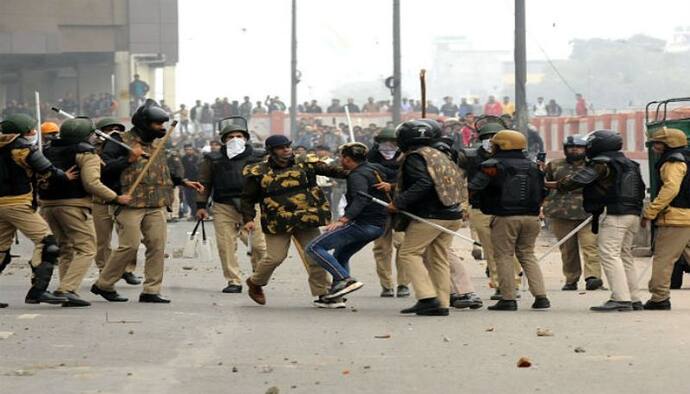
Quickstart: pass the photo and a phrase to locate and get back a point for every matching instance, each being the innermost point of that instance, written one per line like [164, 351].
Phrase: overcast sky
[237, 48]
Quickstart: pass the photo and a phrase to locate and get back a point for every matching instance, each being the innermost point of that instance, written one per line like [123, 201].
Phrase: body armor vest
[517, 189]
[156, 188]
[624, 195]
[445, 174]
[682, 200]
[14, 179]
[228, 179]
[63, 156]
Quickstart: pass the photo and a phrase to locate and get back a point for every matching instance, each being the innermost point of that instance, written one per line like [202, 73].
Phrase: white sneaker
[337, 303]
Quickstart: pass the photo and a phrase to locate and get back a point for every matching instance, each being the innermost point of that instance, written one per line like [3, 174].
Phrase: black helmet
[599, 141]
[417, 132]
[233, 123]
[275, 141]
[149, 113]
[574, 140]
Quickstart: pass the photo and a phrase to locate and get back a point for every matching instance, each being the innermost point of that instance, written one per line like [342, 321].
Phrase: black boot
[3, 305]
[153, 299]
[36, 296]
[73, 299]
[664, 305]
[613, 306]
[504, 305]
[593, 283]
[110, 296]
[425, 304]
[39, 291]
[541, 302]
[131, 279]
[677, 275]
[232, 288]
[569, 286]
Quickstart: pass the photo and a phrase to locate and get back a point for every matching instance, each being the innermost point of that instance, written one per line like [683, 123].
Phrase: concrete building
[82, 47]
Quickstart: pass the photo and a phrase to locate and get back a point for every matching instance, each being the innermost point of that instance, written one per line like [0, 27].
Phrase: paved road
[209, 342]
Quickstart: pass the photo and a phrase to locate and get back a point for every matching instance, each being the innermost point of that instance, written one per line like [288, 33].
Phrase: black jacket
[374, 156]
[418, 195]
[359, 209]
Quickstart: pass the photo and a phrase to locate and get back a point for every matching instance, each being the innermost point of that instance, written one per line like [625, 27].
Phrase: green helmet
[105, 122]
[488, 125]
[227, 129]
[387, 134]
[17, 123]
[76, 130]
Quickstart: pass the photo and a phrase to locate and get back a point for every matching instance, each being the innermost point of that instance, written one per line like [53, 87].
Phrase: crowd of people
[441, 173]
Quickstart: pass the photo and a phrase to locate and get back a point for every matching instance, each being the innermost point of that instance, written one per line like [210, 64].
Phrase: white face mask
[388, 150]
[235, 146]
[487, 145]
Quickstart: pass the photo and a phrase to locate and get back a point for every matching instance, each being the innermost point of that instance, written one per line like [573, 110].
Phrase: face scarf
[487, 145]
[388, 150]
[235, 146]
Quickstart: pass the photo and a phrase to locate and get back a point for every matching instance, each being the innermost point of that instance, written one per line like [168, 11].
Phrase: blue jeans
[345, 242]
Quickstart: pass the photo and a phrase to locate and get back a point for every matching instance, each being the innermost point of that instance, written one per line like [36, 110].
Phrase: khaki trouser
[74, 232]
[482, 226]
[616, 234]
[460, 282]
[228, 223]
[670, 244]
[424, 257]
[132, 224]
[28, 222]
[584, 241]
[514, 236]
[383, 254]
[277, 246]
[103, 223]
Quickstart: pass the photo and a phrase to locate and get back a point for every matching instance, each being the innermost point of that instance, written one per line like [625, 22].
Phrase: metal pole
[293, 74]
[396, 62]
[520, 53]
[38, 121]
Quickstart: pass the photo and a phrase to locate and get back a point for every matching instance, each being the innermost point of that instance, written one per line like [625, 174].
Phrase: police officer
[221, 172]
[565, 212]
[470, 160]
[145, 215]
[612, 182]
[102, 211]
[292, 207]
[49, 132]
[66, 207]
[386, 153]
[176, 171]
[20, 160]
[429, 187]
[511, 188]
[670, 210]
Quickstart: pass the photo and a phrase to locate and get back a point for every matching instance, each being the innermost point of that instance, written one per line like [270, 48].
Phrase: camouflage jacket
[156, 188]
[561, 204]
[289, 197]
[445, 174]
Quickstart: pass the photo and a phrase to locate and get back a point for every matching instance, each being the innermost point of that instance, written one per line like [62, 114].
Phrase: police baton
[98, 132]
[564, 239]
[421, 220]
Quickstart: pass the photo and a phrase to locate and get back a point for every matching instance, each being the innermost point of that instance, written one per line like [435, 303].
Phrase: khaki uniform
[103, 223]
[228, 225]
[565, 211]
[72, 223]
[383, 254]
[482, 225]
[515, 236]
[145, 216]
[460, 281]
[424, 257]
[673, 231]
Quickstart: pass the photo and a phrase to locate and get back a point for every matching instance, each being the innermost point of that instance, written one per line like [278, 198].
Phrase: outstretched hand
[72, 173]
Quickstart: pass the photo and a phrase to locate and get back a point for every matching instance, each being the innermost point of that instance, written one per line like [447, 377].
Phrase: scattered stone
[580, 349]
[129, 374]
[346, 372]
[387, 336]
[234, 369]
[273, 390]
[187, 268]
[524, 362]
[490, 329]
[27, 316]
[5, 334]
[294, 386]
[220, 363]
[131, 332]
[266, 369]
[353, 310]
[23, 372]
[446, 339]
[367, 367]
[544, 332]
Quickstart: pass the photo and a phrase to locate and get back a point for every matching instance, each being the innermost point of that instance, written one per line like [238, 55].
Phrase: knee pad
[5, 260]
[51, 250]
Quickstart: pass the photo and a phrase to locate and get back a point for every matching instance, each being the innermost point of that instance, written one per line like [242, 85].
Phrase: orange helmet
[49, 128]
